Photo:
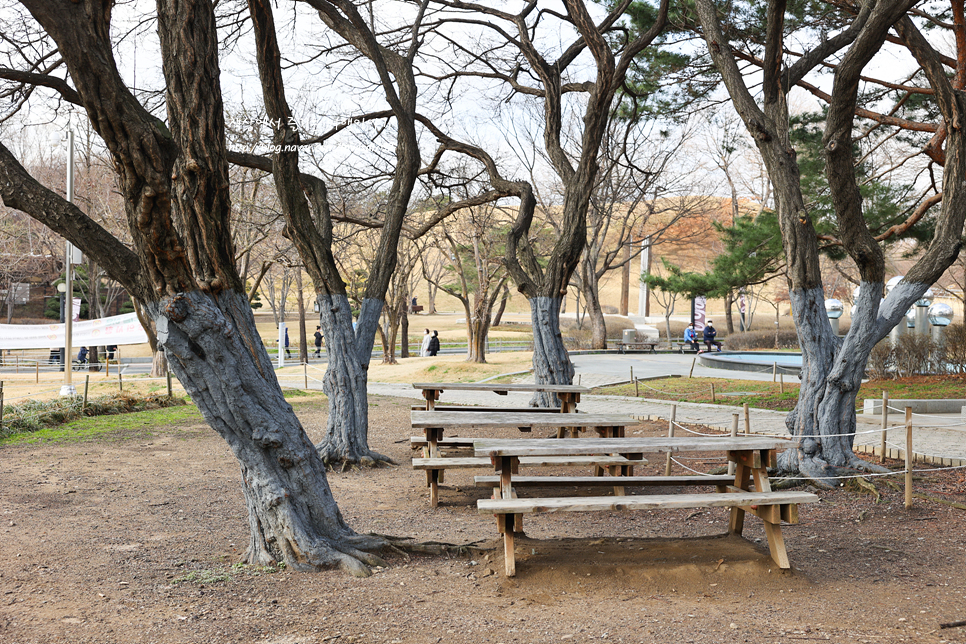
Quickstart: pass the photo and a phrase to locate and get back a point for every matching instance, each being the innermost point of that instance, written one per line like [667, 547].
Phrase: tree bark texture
[347, 430]
[175, 188]
[823, 421]
[211, 345]
[551, 363]
[303, 196]
[598, 326]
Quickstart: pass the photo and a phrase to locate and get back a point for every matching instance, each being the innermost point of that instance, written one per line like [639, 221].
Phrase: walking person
[424, 349]
[318, 342]
[434, 344]
[288, 354]
[709, 337]
[691, 338]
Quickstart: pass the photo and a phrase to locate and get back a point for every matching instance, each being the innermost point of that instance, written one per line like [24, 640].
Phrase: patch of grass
[298, 393]
[137, 424]
[202, 577]
[767, 395]
[763, 395]
[206, 576]
[925, 387]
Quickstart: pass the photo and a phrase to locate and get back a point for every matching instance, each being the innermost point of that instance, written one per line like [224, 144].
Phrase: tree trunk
[598, 327]
[431, 300]
[476, 343]
[832, 370]
[626, 279]
[292, 514]
[729, 300]
[347, 431]
[404, 328]
[303, 338]
[499, 312]
[551, 362]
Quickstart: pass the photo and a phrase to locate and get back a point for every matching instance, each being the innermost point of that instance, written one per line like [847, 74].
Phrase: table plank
[557, 446]
[644, 502]
[483, 386]
[456, 419]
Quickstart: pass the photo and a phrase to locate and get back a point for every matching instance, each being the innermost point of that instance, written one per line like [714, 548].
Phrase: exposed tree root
[343, 462]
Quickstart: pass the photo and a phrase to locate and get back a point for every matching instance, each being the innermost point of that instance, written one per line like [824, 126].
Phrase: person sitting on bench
[691, 338]
[709, 337]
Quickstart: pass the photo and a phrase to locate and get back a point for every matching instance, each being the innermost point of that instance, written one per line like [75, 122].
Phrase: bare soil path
[133, 537]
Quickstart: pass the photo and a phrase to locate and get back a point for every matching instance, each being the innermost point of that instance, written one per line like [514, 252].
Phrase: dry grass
[443, 368]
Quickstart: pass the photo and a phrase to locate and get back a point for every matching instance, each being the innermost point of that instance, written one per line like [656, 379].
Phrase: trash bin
[630, 336]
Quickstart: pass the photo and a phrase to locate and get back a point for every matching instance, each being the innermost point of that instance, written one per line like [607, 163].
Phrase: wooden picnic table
[749, 492]
[569, 395]
[435, 423]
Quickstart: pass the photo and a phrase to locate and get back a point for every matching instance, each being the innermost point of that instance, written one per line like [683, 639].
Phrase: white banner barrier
[120, 329]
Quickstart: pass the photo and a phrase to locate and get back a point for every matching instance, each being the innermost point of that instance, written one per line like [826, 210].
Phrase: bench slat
[459, 420]
[543, 461]
[605, 481]
[519, 410]
[648, 502]
[455, 442]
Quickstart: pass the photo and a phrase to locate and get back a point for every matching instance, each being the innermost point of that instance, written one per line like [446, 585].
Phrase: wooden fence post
[670, 433]
[734, 434]
[747, 419]
[774, 371]
[305, 373]
[120, 381]
[908, 457]
[781, 383]
[87, 382]
[168, 374]
[693, 362]
[637, 390]
[885, 423]
[714, 399]
[37, 371]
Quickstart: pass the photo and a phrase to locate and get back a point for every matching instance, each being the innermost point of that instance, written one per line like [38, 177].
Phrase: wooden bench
[720, 482]
[568, 395]
[434, 466]
[749, 492]
[625, 347]
[771, 507]
[683, 347]
[520, 410]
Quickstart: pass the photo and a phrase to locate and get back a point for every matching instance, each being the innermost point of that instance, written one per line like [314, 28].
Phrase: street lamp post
[67, 389]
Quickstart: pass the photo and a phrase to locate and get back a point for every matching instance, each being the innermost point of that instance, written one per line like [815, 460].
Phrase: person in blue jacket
[709, 337]
[690, 337]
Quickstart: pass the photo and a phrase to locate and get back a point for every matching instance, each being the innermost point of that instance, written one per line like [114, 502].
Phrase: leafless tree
[823, 422]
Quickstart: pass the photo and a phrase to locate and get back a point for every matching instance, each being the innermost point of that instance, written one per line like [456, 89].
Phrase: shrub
[954, 345]
[913, 355]
[879, 366]
[756, 340]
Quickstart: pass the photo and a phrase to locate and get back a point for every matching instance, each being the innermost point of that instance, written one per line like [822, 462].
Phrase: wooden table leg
[433, 487]
[431, 396]
[776, 542]
[510, 465]
[505, 524]
[742, 481]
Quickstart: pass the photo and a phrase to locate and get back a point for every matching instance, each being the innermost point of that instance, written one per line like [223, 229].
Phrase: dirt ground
[135, 537]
